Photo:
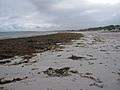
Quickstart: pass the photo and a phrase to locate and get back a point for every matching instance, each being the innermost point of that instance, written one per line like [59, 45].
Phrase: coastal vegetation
[109, 28]
[115, 28]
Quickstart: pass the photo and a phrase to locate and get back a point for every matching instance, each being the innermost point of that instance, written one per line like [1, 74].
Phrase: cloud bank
[57, 14]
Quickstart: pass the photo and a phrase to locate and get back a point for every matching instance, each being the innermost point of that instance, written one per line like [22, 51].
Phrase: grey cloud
[82, 16]
[61, 14]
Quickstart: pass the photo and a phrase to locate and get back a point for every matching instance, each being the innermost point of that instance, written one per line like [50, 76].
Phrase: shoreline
[89, 63]
[35, 44]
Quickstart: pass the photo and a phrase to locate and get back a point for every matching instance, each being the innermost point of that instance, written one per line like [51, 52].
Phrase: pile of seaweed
[29, 45]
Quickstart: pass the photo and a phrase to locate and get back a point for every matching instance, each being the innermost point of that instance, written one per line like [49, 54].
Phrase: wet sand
[89, 63]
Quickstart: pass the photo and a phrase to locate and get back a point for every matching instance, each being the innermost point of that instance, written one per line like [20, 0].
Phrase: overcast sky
[57, 14]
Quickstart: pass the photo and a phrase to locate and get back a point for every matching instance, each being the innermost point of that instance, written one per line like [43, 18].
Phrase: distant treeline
[109, 28]
[104, 28]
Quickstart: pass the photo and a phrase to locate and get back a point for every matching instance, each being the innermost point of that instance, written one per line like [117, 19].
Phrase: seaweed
[62, 72]
[73, 57]
[6, 81]
[5, 61]
[36, 44]
[95, 84]
[89, 76]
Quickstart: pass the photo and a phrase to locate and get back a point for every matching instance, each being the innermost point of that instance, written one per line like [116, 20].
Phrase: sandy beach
[91, 62]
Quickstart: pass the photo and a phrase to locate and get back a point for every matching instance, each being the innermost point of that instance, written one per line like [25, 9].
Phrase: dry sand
[91, 63]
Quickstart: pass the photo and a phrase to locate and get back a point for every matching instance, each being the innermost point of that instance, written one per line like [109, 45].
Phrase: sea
[20, 34]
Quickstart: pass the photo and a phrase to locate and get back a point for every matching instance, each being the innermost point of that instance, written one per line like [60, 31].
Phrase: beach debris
[5, 61]
[96, 84]
[62, 72]
[6, 81]
[59, 55]
[90, 63]
[73, 57]
[34, 69]
[100, 63]
[38, 73]
[73, 71]
[103, 50]
[118, 75]
[89, 55]
[79, 43]
[90, 76]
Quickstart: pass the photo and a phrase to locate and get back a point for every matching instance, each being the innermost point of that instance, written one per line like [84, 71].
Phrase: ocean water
[7, 35]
